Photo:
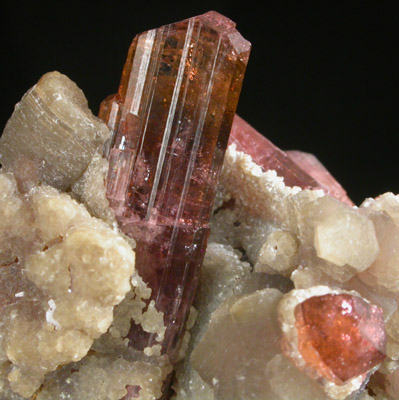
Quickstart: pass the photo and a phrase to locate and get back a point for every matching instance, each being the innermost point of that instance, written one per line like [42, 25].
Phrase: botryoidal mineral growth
[104, 227]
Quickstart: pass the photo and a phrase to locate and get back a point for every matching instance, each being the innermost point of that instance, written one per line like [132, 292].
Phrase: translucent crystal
[249, 325]
[355, 239]
[297, 168]
[170, 121]
[340, 324]
[341, 339]
[384, 272]
[336, 239]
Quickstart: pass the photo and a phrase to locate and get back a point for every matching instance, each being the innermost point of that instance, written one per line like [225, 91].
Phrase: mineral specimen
[297, 168]
[298, 292]
[61, 274]
[52, 135]
[340, 324]
[171, 119]
[63, 271]
[279, 230]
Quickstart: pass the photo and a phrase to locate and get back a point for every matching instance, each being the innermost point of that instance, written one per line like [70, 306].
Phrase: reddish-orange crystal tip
[340, 336]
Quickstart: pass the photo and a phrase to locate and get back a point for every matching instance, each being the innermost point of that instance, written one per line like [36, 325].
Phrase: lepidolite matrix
[167, 250]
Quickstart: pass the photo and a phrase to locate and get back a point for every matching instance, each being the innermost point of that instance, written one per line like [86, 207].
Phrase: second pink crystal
[297, 168]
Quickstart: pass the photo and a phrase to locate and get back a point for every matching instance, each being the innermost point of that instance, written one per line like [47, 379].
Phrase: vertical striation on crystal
[170, 121]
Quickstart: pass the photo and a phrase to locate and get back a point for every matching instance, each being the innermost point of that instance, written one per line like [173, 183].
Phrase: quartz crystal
[171, 120]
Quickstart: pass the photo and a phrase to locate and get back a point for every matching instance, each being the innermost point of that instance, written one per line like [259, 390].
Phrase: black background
[322, 79]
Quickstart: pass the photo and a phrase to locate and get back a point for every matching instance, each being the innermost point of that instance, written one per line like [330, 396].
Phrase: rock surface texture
[69, 289]
[52, 135]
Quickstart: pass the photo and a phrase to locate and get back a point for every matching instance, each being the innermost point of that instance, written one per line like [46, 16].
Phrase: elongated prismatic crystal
[297, 168]
[171, 120]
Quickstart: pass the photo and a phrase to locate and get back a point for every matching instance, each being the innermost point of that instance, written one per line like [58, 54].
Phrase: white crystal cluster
[68, 288]
[268, 244]
[62, 273]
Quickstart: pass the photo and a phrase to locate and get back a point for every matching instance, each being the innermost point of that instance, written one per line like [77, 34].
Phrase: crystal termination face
[297, 168]
[170, 121]
[341, 336]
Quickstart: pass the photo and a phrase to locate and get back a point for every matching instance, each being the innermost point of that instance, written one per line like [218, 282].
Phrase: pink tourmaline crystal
[171, 120]
[297, 169]
[312, 166]
[340, 335]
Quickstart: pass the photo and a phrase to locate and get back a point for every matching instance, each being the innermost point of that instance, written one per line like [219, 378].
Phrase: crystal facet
[341, 336]
[297, 168]
[171, 120]
[311, 165]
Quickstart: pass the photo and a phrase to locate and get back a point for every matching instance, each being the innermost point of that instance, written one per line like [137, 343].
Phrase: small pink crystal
[340, 335]
[297, 169]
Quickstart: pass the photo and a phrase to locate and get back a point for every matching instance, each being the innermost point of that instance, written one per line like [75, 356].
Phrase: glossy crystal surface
[312, 166]
[297, 168]
[171, 120]
[341, 336]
